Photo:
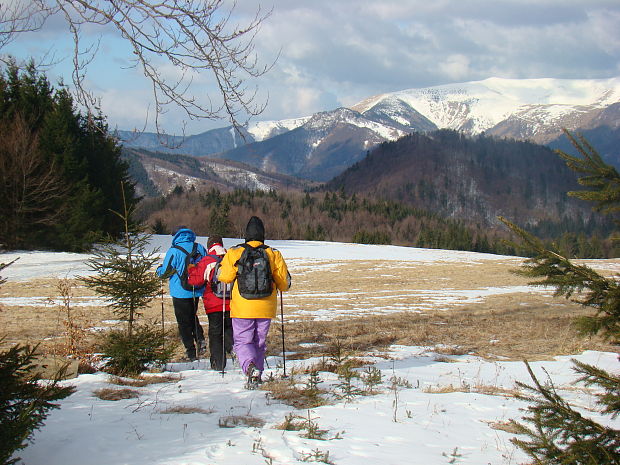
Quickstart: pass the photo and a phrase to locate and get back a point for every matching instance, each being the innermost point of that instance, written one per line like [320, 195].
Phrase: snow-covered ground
[64, 264]
[408, 424]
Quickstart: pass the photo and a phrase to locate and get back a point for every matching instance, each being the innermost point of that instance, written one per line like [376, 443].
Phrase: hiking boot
[202, 347]
[216, 365]
[254, 378]
[191, 355]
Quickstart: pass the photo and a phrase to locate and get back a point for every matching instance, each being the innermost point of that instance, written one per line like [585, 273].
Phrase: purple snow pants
[250, 341]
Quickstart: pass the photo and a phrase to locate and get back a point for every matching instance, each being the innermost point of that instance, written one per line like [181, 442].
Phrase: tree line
[334, 216]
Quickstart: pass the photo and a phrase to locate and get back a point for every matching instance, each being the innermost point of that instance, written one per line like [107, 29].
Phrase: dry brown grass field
[480, 308]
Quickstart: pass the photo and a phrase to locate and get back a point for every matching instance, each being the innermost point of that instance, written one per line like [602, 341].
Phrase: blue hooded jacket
[174, 263]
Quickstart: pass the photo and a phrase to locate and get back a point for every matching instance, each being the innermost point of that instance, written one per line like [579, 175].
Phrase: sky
[326, 54]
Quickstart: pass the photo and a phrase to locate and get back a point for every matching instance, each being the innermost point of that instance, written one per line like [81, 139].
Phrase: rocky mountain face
[323, 145]
[319, 149]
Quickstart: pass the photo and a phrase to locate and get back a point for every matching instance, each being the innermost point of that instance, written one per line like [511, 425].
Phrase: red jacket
[201, 273]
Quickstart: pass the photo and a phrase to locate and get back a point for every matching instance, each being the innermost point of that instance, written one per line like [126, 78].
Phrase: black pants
[220, 332]
[189, 327]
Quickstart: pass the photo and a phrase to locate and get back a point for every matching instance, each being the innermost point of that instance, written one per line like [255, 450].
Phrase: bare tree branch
[31, 190]
[196, 37]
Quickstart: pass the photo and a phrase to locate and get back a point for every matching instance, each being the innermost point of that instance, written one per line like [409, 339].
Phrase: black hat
[255, 230]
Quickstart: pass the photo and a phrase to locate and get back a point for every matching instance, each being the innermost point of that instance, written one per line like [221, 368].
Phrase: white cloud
[605, 26]
[455, 66]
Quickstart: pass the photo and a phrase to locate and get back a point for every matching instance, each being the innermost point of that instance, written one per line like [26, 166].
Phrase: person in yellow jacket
[251, 314]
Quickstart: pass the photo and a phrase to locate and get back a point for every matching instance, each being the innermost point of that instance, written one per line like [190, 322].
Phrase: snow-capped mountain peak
[481, 105]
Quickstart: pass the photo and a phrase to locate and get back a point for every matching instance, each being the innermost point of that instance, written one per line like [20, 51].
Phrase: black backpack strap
[178, 247]
[188, 255]
[246, 246]
[194, 247]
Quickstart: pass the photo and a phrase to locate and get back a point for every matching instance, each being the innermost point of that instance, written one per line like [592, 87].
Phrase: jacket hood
[183, 235]
[255, 230]
[217, 249]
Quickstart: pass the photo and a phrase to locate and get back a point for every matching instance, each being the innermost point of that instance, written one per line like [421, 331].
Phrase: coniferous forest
[62, 174]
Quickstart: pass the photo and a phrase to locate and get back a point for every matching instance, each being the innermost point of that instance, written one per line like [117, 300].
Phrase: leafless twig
[196, 37]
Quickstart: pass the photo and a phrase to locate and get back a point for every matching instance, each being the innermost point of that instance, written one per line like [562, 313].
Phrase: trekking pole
[282, 327]
[195, 306]
[163, 329]
[223, 332]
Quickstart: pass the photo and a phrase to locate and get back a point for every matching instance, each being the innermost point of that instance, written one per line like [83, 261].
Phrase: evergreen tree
[559, 433]
[59, 169]
[159, 227]
[123, 272]
[123, 275]
[219, 222]
[24, 399]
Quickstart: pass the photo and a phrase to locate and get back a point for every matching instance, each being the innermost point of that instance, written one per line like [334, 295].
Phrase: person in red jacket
[218, 309]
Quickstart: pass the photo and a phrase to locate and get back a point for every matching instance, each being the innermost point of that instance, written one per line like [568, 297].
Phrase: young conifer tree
[556, 432]
[124, 277]
[25, 400]
[123, 271]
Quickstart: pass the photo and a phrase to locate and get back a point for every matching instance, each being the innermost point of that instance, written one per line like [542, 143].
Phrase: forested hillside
[159, 173]
[461, 177]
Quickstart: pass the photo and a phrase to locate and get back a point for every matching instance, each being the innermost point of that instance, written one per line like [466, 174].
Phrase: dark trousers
[220, 332]
[189, 326]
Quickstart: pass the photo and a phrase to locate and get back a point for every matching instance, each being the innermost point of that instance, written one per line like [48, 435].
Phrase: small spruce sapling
[312, 428]
[124, 277]
[317, 455]
[312, 384]
[348, 389]
[372, 377]
[123, 271]
[25, 399]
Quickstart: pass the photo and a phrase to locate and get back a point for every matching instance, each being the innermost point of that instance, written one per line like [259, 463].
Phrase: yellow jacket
[254, 308]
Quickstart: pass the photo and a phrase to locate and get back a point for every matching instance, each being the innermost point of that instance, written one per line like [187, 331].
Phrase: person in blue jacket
[185, 301]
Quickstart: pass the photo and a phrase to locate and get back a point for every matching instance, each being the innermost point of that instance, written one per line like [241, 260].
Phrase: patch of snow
[48, 302]
[33, 264]
[260, 130]
[233, 136]
[239, 176]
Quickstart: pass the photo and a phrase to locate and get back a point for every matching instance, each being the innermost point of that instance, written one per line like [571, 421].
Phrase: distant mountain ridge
[494, 105]
[321, 146]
